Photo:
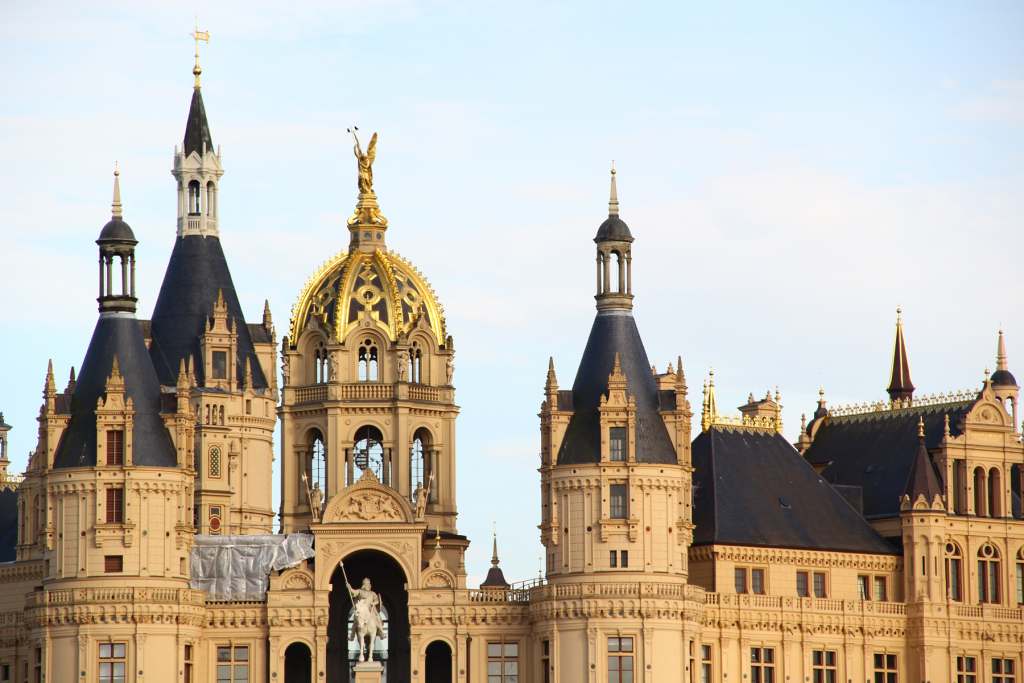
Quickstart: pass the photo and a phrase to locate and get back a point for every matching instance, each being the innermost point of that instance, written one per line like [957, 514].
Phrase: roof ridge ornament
[613, 195]
[198, 35]
[115, 205]
[367, 212]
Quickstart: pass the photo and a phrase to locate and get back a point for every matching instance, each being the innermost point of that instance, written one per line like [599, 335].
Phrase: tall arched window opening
[420, 456]
[959, 486]
[620, 273]
[368, 361]
[980, 499]
[988, 574]
[995, 493]
[194, 200]
[1019, 578]
[1016, 494]
[320, 363]
[416, 363]
[954, 572]
[211, 198]
[316, 465]
[368, 454]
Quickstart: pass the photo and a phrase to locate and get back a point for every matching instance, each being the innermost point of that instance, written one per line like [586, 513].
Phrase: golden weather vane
[198, 35]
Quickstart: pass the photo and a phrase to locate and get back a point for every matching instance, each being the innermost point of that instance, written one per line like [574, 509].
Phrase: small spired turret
[5, 460]
[1004, 384]
[117, 241]
[495, 579]
[614, 244]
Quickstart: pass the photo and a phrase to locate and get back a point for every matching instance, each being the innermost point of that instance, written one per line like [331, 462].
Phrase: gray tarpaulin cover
[238, 567]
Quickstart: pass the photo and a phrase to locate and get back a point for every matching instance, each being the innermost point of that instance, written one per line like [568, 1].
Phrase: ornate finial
[494, 552]
[803, 422]
[920, 427]
[367, 210]
[710, 411]
[1001, 363]
[945, 425]
[613, 195]
[198, 35]
[115, 205]
[437, 539]
[987, 378]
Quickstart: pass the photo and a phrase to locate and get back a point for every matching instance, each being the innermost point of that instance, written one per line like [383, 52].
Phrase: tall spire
[613, 196]
[495, 577]
[1001, 363]
[901, 389]
[922, 480]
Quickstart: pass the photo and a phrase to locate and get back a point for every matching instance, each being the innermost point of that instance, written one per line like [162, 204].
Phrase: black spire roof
[196, 272]
[922, 480]
[614, 331]
[751, 487]
[116, 334]
[197, 129]
[900, 386]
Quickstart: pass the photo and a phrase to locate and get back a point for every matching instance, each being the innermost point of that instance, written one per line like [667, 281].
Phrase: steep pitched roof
[876, 450]
[751, 487]
[923, 481]
[196, 272]
[116, 335]
[614, 332]
[900, 386]
[197, 129]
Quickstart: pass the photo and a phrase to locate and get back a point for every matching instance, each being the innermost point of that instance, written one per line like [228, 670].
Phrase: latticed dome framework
[389, 288]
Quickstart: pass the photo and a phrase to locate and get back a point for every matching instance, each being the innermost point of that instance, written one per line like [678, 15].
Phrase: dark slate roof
[923, 481]
[1003, 378]
[195, 273]
[614, 332]
[8, 524]
[614, 229]
[259, 334]
[151, 444]
[116, 230]
[875, 450]
[753, 488]
[495, 578]
[900, 385]
[197, 129]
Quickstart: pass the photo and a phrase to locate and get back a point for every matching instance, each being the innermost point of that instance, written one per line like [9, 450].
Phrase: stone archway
[390, 581]
[298, 664]
[439, 662]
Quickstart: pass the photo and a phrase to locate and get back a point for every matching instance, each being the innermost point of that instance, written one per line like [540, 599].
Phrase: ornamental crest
[367, 501]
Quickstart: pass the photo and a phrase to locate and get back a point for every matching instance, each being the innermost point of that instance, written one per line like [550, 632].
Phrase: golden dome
[379, 282]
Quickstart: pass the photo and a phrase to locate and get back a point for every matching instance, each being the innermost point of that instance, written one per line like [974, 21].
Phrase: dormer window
[617, 444]
[115, 447]
[220, 364]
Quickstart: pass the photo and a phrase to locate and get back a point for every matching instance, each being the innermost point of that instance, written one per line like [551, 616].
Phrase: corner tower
[198, 322]
[615, 479]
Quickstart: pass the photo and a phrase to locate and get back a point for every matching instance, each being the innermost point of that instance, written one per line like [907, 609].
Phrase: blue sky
[791, 173]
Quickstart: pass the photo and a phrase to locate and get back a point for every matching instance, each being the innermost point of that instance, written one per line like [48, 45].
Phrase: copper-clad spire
[900, 387]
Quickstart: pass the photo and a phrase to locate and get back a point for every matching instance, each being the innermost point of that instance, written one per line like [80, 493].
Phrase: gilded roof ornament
[198, 35]
[367, 210]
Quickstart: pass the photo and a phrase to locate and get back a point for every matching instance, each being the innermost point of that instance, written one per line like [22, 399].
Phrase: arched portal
[298, 664]
[390, 582]
[439, 662]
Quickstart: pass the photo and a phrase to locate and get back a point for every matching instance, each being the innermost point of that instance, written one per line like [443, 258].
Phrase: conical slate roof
[197, 129]
[614, 332]
[922, 480]
[116, 334]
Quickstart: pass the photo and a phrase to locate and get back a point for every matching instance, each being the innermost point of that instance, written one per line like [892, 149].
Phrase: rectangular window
[545, 661]
[220, 364]
[1004, 670]
[617, 507]
[187, 660]
[820, 588]
[5, 673]
[624, 556]
[613, 559]
[692, 666]
[232, 664]
[864, 587]
[113, 564]
[966, 669]
[881, 589]
[113, 662]
[757, 581]
[740, 579]
[115, 447]
[37, 670]
[803, 585]
[115, 505]
[617, 444]
[885, 668]
[1020, 583]
[823, 666]
[705, 664]
[762, 664]
[502, 662]
[620, 660]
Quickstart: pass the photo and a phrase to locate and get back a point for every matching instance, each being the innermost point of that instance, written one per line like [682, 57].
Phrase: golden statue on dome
[367, 211]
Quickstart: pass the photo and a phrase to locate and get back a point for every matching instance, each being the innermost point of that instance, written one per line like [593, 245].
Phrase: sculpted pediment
[367, 501]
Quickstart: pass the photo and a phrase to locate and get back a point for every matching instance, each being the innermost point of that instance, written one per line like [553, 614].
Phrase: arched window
[980, 498]
[988, 574]
[320, 362]
[620, 273]
[954, 572]
[1019, 581]
[416, 363]
[211, 196]
[420, 463]
[194, 200]
[368, 453]
[995, 493]
[1016, 507]
[368, 361]
[316, 464]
